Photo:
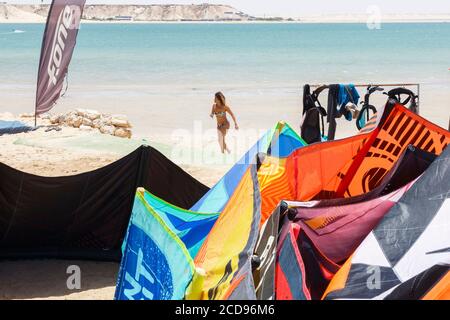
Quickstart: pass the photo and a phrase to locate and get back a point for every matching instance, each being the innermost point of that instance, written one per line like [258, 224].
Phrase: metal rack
[361, 85]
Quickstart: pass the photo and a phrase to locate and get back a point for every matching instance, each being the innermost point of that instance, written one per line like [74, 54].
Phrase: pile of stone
[88, 120]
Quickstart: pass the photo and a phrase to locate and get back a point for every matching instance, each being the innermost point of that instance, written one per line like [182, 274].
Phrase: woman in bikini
[220, 109]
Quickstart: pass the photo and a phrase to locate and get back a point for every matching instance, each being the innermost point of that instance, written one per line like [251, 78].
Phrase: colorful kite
[407, 255]
[156, 264]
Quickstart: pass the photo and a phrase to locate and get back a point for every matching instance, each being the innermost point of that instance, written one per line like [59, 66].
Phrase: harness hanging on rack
[411, 98]
[312, 127]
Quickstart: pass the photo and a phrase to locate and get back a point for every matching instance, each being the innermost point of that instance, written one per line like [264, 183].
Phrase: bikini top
[220, 113]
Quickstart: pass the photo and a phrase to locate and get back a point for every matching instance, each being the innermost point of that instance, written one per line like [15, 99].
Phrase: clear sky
[295, 8]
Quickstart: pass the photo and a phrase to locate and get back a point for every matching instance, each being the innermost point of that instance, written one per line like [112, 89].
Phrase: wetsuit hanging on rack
[339, 96]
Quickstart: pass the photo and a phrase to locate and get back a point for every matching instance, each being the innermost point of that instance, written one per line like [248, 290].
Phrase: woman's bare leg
[225, 147]
[221, 141]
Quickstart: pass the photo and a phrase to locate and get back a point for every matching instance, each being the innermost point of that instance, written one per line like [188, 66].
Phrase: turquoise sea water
[155, 72]
[241, 55]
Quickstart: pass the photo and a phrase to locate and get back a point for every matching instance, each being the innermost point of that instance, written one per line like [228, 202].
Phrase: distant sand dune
[10, 13]
[197, 13]
[203, 12]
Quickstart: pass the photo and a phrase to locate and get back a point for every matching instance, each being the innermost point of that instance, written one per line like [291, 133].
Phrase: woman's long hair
[221, 98]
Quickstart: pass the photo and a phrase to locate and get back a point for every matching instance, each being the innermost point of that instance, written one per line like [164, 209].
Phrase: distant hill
[203, 12]
[12, 13]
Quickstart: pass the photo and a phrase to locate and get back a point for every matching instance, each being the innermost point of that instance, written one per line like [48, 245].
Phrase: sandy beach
[68, 152]
[46, 280]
